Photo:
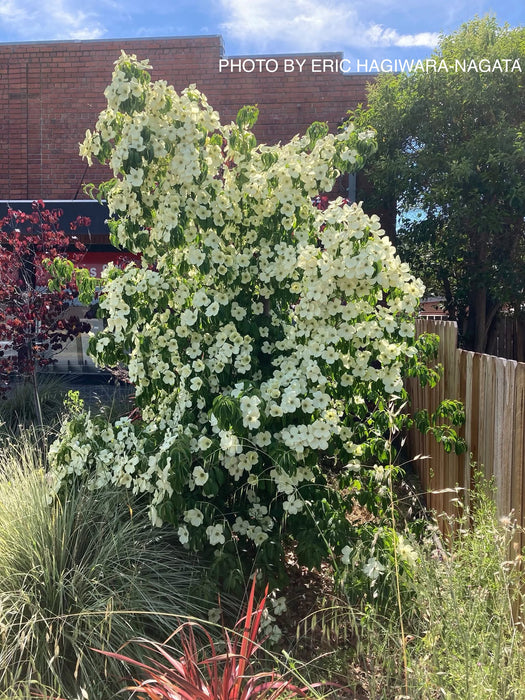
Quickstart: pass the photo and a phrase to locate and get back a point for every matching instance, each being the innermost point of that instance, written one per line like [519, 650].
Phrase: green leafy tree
[449, 170]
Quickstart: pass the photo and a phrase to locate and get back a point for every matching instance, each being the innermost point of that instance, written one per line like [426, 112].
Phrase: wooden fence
[492, 390]
[507, 337]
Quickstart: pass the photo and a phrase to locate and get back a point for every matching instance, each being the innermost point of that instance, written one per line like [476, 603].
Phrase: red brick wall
[52, 92]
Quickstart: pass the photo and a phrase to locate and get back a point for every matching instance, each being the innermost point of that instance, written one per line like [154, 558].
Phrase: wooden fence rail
[492, 390]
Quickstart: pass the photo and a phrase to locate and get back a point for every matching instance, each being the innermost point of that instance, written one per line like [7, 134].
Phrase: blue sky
[369, 29]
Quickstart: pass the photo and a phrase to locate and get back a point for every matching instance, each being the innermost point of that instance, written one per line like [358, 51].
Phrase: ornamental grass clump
[461, 635]
[260, 332]
[83, 571]
[17, 408]
[470, 643]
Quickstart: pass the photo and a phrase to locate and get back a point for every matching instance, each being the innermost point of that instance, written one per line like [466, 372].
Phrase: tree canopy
[449, 170]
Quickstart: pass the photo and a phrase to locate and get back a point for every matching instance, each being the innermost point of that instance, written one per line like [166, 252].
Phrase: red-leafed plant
[33, 321]
[196, 675]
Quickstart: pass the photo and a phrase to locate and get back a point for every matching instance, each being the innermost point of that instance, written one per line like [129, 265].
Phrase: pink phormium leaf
[215, 676]
[171, 683]
[251, 628]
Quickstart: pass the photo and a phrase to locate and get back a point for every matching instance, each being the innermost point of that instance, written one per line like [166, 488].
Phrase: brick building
[52, 92]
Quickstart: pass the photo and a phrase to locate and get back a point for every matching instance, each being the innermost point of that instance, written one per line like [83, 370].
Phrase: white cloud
[311, 25]
[302, 24]
[376, 35]
[429, 39]
[34, 20]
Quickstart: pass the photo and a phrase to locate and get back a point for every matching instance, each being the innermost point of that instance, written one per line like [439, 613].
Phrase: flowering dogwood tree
[258, 330]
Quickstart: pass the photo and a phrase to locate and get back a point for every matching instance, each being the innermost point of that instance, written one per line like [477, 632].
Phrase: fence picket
[508, 409]
[518, 450]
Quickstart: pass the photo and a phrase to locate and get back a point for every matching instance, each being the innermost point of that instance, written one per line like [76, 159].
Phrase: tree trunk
[450, 303]
[480, 319]
[36, 399]
[481, 315]
[388, 217]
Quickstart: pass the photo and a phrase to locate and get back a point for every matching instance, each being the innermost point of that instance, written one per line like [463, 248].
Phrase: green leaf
[247, 116]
